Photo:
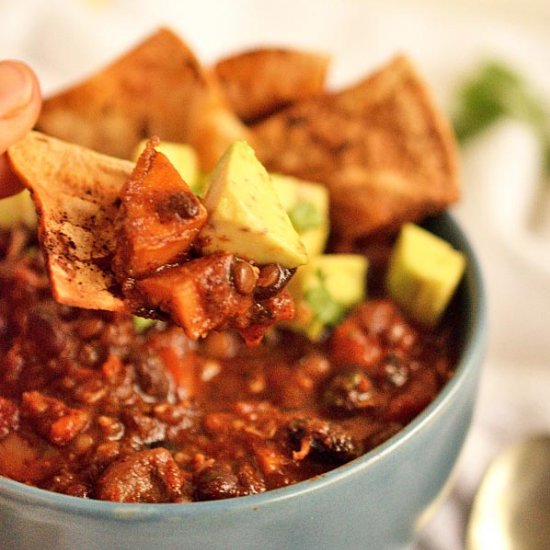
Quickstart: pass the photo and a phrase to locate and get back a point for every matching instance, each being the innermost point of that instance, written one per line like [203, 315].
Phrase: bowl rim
[475, 337]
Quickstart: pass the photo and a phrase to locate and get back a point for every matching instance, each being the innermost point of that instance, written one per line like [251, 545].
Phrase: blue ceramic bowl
[375, 502]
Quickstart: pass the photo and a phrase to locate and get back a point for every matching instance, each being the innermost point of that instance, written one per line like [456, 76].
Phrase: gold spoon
[511, 510]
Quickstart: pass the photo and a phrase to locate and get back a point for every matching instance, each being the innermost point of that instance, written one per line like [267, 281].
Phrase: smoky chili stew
[95, 407]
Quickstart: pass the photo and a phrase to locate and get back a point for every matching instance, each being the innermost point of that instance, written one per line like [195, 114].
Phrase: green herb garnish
[323, 305]
[496, 91]
[141, 324]
[305, 215]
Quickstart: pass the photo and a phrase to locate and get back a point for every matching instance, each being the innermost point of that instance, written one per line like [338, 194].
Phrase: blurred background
[490, 56]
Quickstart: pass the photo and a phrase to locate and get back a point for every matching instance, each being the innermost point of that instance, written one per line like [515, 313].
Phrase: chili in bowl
[379, 495]
[185, 362]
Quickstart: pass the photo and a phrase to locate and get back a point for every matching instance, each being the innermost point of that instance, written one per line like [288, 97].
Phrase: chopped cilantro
[141, 324]
[305, 215]
[323, 305]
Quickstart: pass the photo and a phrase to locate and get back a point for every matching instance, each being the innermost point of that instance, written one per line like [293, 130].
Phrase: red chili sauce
[90, 407]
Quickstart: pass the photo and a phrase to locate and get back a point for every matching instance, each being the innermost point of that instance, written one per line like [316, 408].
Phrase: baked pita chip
[76, 194]
[158, 88]
[382, 148]
[261, 81]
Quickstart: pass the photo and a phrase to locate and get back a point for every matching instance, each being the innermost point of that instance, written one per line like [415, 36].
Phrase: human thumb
[19, 108]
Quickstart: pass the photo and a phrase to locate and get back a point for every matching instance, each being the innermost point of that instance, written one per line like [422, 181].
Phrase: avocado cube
[17, 209]
[307, 205]
[184, 159]
[423, 274]
[325, 289]
[245, 215]
[286, 189]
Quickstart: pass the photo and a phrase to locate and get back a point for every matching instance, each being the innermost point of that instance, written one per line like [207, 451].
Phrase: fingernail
[16, 87]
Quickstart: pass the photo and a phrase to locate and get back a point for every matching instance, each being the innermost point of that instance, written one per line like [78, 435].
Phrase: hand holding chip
[19, 107]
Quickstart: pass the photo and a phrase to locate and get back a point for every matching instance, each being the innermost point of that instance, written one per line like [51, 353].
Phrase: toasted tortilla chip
[158, 88]
[261, 81]
[383, 149]
[76, 194]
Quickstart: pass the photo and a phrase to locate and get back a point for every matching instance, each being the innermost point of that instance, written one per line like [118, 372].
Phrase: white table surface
[65, 40]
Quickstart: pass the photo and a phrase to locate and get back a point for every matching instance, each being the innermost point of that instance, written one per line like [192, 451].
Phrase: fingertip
[20, 102]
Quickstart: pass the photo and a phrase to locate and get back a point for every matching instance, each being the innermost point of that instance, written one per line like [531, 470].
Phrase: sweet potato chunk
[158, 219]
[200, 296]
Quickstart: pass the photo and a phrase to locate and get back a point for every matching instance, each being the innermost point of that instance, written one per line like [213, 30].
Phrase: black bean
[349, 392]
[215, 483]
[326, 441]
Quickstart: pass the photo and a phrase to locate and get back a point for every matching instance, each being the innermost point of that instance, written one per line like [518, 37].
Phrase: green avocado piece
[245, 215]
[17, 209]
[307, 205]
[141, 324]
[423, 274]
[184, 159]
[325, 289]
[286, 189]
